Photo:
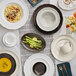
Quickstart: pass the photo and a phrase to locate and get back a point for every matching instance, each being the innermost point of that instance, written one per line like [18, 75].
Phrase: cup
[66, 48]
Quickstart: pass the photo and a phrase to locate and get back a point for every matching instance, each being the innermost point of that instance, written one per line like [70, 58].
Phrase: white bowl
[5, 23]
[10, 39]
[48, 19]
[18, 64]
[32, 60]
[64, 6]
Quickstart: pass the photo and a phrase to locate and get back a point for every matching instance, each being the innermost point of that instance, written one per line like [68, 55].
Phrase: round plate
[33, 35]
[28, 68]
[18, 24]
[55, 50]
[65, 6]
[16, 60]
[52, 11]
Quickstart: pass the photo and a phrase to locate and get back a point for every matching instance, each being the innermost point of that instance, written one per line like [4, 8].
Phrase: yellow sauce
[5, 65]
[13, 13]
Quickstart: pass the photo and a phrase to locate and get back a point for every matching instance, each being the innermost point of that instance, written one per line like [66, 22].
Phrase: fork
[60, 68]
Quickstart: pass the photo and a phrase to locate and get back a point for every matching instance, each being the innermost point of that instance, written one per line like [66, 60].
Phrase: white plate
[48, 19]
[10, 39]
[28, 66]
[64, 6]
[18, 24]
[16, 59]
[60, 56]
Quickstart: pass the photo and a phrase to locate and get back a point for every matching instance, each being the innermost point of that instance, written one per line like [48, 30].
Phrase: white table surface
[24, 53]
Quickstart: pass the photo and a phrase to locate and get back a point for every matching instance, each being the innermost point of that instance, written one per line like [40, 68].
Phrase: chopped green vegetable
[33, 42]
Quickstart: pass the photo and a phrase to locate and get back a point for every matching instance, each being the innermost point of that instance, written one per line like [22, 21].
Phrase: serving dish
[15, 62]
[31, 35]
[64, 6]
[47, 18]
[28, 68]
[63, 48]
[7, 24]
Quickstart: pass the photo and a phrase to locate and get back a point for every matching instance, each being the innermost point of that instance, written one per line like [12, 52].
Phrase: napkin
[67, 65]
[34, 2]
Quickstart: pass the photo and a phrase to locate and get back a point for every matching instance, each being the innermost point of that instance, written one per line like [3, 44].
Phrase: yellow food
[5, 64]
[13, 13]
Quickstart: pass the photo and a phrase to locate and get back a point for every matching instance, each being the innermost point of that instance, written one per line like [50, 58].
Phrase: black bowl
[5, 55]
[39, 68]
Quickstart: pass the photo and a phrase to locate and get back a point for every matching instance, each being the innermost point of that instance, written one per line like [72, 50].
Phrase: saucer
[5, 23]
[58, 54]
[48, 18]
[32, 60]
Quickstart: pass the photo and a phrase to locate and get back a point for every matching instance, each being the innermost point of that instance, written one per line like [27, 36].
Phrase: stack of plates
[36, 58]
[47, 18]
[64, 48]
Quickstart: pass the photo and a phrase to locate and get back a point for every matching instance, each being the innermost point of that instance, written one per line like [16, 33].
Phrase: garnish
[71, 23]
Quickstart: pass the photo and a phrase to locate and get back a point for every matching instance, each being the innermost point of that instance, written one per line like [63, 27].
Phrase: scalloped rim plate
[21, 22]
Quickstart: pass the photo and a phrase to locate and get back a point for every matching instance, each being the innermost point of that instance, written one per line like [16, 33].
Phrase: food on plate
[5, 65]
[71, 23]
[73, 0]
[67, 2]
[33, 42]
[13, 13]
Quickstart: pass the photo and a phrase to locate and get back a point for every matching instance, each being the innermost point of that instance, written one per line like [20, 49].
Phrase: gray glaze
[27, 45]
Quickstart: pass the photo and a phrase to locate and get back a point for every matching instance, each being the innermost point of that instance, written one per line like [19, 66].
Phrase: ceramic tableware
[32, 60]
[63, 48]
[28, 46]
[47, 18]
[10, 39]
[25, 13]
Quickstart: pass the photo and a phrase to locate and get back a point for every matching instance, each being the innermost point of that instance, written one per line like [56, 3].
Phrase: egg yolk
[5, 64]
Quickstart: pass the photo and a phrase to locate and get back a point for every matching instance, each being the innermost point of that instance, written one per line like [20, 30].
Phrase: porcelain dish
[63, 48]
[5, 23]
[28, 68]
[38, 37]
[10, 39]
[47, 18]
[15, 73]
[64, 6]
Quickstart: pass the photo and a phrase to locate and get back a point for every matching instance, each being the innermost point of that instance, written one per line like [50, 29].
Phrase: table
[29, 27]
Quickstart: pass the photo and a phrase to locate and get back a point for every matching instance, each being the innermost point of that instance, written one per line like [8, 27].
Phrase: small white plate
[58, 54]
[21, 22]
[28, 66]
[48, 19]
[15, 73]
[64, 6]
[10, 39]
